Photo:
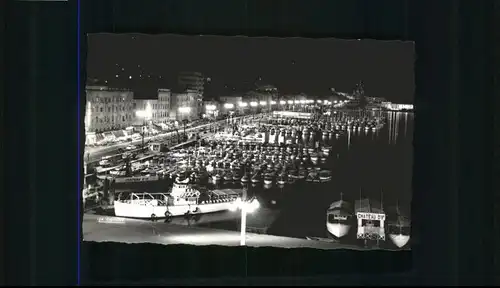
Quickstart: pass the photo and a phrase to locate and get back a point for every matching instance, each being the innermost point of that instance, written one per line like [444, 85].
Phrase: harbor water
[364, 164]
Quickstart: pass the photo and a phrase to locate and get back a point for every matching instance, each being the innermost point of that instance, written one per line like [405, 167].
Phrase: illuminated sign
[371, 216]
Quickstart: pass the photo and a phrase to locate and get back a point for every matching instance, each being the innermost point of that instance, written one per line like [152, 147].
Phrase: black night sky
[235, 64]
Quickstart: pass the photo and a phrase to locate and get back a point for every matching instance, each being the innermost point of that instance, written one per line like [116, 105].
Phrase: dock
[115, 229]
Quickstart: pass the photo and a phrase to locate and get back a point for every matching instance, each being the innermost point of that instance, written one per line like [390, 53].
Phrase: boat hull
[149, 211]
[399, 240]
[338, 229]
[325, 179]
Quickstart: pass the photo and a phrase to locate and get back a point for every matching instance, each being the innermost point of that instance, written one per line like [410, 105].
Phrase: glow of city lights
[229, 105]
[326, 102]
[252, 206]
[302, 101]
[273, 102]
[88, 117]
[282, 102]
[184, 109]
[243, 104]
[249, 206]
[149, 110]
[296, 102]
[254, 104]
[290, 102]
[319, 101]
[140, 113]
[210, 107]
[335, 101]
[263, 103]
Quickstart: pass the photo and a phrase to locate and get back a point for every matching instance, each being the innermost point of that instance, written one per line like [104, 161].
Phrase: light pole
[245, 206]
[184, 111]
[144, 115]
[229, 106]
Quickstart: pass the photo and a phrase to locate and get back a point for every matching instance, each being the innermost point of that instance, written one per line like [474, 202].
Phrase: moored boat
[181, 200]
[245, 178]
[399, 227]
[228, 176]
[338, 218]
[325, 176]
[256, 178]
[268, 179]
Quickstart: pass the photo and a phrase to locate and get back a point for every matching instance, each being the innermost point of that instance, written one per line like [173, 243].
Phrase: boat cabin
[371, 218]
[339, 211]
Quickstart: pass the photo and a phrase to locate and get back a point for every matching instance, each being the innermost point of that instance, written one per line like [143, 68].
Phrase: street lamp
[210, 107]
[145, 116]
[229, 105]
[184, 111]
[246, 207]
[253, 104]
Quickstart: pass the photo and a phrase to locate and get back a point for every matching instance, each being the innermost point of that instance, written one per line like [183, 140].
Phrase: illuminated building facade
[162, 110]
[186, 105]
[193, 83]
[108, 109]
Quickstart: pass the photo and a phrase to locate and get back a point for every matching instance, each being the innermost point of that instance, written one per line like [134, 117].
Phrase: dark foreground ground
[105, 260]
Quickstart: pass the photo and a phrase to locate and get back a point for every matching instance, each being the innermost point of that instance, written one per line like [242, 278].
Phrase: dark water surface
[371, 164]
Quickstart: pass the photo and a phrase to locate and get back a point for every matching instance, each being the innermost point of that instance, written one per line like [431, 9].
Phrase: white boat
[216, 177]
[244, 179]
[326, 150]
[338, 218]
[314, 157]
[181, 200]
[399, 229]
[228, 176]
[105, 161]
[281, 180]
[325, 176]
[399, 240]
[312, 177]
[302, 174]
[256, 178]
[268, 180]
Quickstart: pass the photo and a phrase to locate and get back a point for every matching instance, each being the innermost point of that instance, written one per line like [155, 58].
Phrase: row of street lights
[212, 107]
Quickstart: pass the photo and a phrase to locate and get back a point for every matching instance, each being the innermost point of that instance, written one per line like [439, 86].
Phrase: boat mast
[382, 209]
